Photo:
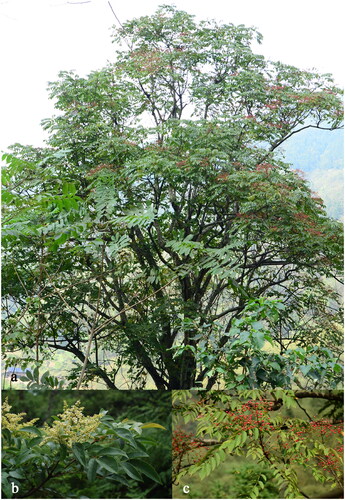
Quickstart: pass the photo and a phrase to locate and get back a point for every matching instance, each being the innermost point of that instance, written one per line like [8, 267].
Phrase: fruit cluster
[183, 441]
[250, 415]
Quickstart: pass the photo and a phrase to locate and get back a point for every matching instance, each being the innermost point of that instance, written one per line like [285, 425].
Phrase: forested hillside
[320, 155]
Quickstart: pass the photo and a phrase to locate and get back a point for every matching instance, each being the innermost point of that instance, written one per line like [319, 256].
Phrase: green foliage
[161, 210]
[43, 461]
[45, 381]
[252, 481]
[246, 364]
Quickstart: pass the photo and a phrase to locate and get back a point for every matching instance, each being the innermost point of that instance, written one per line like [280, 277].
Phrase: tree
[161, 212]
[285, 439]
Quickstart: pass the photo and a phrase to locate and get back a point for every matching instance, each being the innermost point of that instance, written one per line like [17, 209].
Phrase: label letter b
[15, 488]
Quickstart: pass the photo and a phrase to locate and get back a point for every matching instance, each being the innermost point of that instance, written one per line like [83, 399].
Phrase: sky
[39, 38]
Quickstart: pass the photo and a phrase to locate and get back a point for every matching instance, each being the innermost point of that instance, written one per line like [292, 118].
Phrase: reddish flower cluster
[304, 98]
[259, 185]
[92, 104]
[181, 163]
[309, 225]
[299, 173]
[311, 98]
[314, 232]
[317, 200]
[205, 162]
[130, 143]
[149, 61]
[265, 167]
[100, 167]
[271, 106]
[301, 216]
[274, 125]
[244, 216]
[284, 186]
[222, 177]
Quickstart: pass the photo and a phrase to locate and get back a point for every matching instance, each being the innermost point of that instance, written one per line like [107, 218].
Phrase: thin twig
[134, 305]
[64, 301]
[117, 19]
[120, 24]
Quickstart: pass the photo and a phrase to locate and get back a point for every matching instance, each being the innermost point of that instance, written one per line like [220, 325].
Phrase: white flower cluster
[71, 426]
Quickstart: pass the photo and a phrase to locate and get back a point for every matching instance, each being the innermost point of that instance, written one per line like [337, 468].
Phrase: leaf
[137, 454]
[68, 188]
[257, 325]
[259, 339]
[152, 425]
[25, 457]
[16, 474]
[44, 376]
[147, 469]
[79, 452]
[255, 492]
[34, 441]
[92, 467]
[108, 463]
[275, 365]
[61, 239]
[229, 445]
[262, 374]
[305, 369]
[117, 478]
[125, 434]
[63, 451]
[7, 434]
[115, 452]
[244, 436]
[35, 374]
[32, 429]
[131, 471]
